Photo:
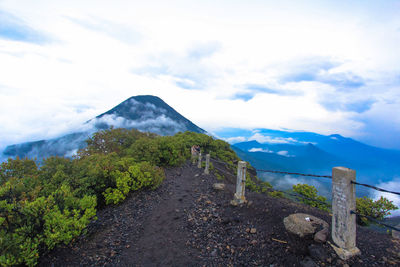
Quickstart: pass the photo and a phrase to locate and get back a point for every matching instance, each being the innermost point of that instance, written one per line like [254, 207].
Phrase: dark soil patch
[185, 222]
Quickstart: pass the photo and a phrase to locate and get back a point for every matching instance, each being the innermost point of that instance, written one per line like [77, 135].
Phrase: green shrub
[28, 224]
[310, 192]
[138, 176]
[378, 209]
[43, 207]
[276, 194]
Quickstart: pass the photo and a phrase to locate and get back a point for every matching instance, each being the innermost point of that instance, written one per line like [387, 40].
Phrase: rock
[303, 224]
[317, 253]
[234, 203]
[346, 254]
[214, 253]
[219, 186]
[396, 234]
[321, 236]
[253, 230]
[308, 262]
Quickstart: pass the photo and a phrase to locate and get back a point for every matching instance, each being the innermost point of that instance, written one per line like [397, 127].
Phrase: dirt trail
[185, 222]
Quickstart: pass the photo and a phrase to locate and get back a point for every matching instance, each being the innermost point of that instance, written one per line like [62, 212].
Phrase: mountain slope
[146, 113]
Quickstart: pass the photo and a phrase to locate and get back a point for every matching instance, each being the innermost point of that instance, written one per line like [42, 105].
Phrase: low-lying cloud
[266, 139]
[393, 185]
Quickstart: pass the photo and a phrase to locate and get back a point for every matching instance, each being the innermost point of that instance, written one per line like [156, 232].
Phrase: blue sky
[321, 66]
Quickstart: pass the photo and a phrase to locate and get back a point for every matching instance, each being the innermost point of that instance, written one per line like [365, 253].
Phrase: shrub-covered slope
[42, 206]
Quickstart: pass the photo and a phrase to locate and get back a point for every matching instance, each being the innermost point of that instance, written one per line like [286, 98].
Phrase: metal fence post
[343, 222]
[206, 170]
[240, 183]
[199, 162]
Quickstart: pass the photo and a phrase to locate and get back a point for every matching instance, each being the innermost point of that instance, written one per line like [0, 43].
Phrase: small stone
[249, 203]
[346, 265]
[208, 202]
[205, 219]
[321, 236]
[254, 242]
[384, 258]
[128, 246]
[253, 230]
[247, 230]
[219, 186]
[214, 253]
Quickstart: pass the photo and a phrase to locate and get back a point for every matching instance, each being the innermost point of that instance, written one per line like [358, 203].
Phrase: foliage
[378, 209]
[310, 192]
[43, 206]
[276, 194]
[257, 185]
[138, 176]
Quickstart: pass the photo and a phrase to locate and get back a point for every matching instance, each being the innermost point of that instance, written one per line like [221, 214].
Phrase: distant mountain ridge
[146, 113]
[311, 152]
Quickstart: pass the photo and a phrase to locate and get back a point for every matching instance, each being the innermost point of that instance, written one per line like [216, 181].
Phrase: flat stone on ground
[303, 224]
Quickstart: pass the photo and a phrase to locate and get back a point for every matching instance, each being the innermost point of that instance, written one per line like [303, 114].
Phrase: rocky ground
[185, 222]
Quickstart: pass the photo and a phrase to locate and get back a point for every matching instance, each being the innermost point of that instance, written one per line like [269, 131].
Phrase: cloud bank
[325, 67]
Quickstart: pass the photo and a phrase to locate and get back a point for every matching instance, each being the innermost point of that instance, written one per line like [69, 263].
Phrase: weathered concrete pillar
[206, 170]
[343, 222]
[240, 182]
[199, 162]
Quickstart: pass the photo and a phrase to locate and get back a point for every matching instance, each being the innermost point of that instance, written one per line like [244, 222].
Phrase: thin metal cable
[376, 188]
[219, 161]
[304, 197]
[375, 221]
[224, 171]
[296, 173]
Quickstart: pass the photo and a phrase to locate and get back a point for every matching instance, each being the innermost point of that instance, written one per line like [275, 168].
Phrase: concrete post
[206, 170]
[343, 222]
[240, 183]
[199, 162]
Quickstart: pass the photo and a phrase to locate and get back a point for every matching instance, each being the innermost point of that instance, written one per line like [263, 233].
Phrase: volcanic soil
[185, 222]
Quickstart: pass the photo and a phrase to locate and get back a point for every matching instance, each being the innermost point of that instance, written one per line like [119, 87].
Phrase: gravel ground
[185, 222]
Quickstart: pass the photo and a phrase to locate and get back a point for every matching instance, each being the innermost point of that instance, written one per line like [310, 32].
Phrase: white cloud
[393, 185]
[102, 53]
[254, 149]
[234, 140]
[284, 153]
[266, 139]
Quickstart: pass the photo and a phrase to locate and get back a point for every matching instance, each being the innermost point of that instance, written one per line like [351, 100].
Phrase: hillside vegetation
[52, 203]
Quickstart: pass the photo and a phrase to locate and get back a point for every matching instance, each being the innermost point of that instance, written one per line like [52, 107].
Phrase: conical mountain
[145, 113]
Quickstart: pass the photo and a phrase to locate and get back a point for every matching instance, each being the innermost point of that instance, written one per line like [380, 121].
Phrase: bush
[310, 192]
[138, 176]
[276, 194]
[378, 209]
[28, 225]
[43, 207]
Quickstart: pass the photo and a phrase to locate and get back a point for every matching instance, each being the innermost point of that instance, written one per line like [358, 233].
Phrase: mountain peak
[145, 113]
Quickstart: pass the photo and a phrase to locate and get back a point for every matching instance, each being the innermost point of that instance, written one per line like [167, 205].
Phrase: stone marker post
[240, 183]
[199, 162]
[343, 222]
[206, 170]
